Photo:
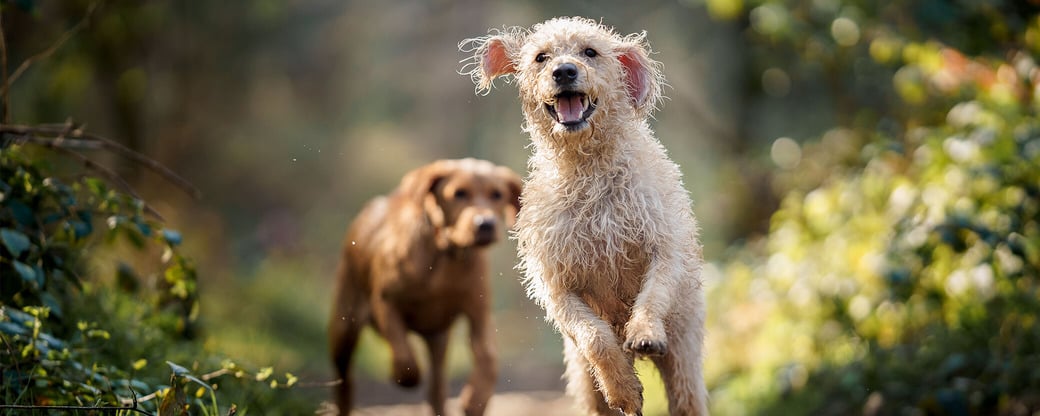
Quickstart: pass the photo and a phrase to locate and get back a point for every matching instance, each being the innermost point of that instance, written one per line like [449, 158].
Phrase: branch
[135, 400]
[55, 136]
[62, 142]
[313, 384]
[89, 408]
[214, 374]
[47, 52]
[107, 173]
[4, 82]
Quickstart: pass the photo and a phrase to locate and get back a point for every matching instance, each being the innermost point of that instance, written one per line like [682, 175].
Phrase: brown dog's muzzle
[485, 230]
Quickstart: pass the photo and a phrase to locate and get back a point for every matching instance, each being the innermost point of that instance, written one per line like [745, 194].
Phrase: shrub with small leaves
[900, 274]
[48, 228]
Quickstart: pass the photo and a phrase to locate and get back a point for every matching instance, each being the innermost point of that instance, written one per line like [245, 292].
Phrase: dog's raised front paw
[406, 374]
[630, 406]
[645, 346]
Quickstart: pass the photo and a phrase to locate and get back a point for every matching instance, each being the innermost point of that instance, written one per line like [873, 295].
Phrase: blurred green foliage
[900, 274]
[97, 301]
[69, 338]
[75, 335]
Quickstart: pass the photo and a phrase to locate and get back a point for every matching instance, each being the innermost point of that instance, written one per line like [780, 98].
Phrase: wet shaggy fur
[607, 238]
[414, 261]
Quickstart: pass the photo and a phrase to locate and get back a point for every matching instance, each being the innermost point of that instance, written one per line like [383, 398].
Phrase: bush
[900, 274]
[72, 336]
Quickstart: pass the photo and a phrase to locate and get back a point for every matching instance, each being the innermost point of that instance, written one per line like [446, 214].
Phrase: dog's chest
[590, 233]
[432, 294]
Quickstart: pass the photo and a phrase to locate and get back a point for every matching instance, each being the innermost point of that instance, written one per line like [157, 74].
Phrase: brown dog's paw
[406, 375]
[645, 346]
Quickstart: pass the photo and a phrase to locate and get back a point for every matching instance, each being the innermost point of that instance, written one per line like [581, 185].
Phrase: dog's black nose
[565, 74]
[486, 225]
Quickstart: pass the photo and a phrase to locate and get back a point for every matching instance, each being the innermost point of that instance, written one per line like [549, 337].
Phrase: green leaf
[80, 224]
[51, 302]
[134, 236]
[12, 328]
[26, 271]
[142, 226]
[96, 186]
[21, 212]
[177, 369]
[18, 316]
[16, 242]
[183, 372]
[172, 237]
[81, 229]
[264, 373]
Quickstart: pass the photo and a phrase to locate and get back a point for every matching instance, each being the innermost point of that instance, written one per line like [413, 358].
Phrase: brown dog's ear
[419, 184]
[494, 55]
[515, 185]
[643, 76]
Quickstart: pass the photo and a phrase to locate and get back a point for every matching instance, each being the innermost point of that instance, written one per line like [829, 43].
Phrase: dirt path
[537, 403]
[505, 404]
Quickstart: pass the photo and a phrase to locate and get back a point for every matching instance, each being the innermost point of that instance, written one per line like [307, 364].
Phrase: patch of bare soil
[537, 403]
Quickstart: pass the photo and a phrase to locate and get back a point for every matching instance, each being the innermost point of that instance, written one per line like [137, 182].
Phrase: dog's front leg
[391, 325]
[593, 337]
[437, 345]
[645, 332]
[481, 383]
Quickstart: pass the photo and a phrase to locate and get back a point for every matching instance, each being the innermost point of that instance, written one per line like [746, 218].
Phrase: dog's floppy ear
[494, 55]
[643, 76]
[419, 184]
[515, 185]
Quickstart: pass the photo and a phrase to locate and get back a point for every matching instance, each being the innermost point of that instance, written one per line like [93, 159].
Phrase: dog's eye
[496, 195]
[461, 194]
[541, 57]
[591, 53]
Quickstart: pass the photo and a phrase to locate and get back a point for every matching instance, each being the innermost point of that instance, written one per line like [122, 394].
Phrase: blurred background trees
[866, 174]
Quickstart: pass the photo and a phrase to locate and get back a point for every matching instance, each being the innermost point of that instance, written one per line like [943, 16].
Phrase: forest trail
[503, 404]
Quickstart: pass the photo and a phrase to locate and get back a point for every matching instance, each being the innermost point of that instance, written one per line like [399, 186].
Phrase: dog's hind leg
[437, 345]
[350, 316]
[680, 367]
[580, 383]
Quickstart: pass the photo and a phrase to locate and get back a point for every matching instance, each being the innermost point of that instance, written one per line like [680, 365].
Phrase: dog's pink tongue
[569, 109]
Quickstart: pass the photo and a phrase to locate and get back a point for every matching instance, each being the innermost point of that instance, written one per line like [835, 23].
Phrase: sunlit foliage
[900, 273]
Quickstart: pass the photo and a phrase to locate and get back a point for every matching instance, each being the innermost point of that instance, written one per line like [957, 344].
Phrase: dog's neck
[594, 150]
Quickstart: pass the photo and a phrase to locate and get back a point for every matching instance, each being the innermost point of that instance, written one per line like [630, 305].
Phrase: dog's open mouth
[571, 108]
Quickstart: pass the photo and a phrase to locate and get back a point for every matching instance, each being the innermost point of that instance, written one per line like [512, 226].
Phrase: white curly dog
[607, 237]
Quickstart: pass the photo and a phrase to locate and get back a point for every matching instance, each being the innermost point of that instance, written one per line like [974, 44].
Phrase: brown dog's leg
[438, 347]
[350, 316]
[405, 371]
[481, 383]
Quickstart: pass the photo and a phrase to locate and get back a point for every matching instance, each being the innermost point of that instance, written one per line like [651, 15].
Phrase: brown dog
[414, 261]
